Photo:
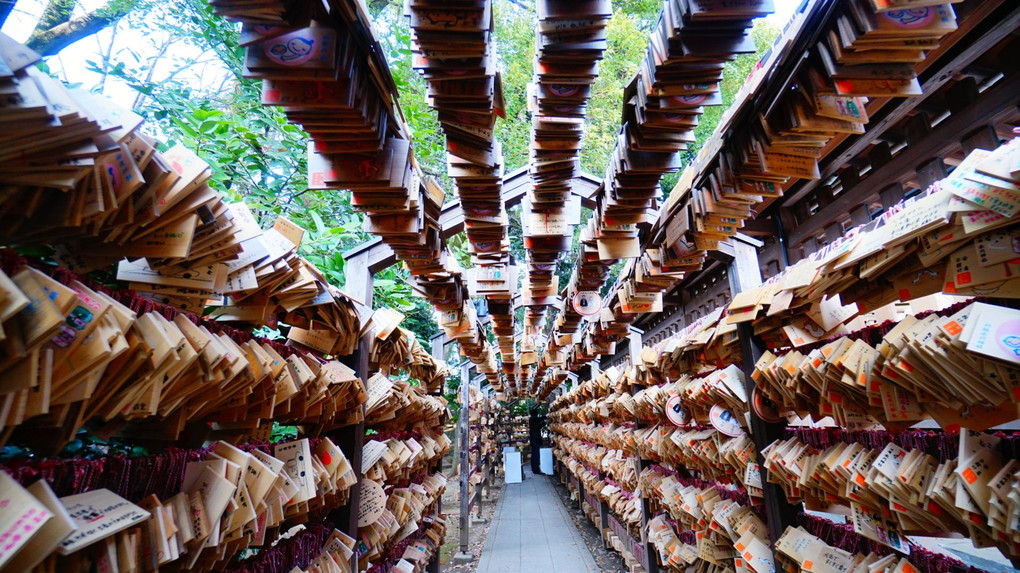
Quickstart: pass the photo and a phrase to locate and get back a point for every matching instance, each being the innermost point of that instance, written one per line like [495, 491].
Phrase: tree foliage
[190, 87]
[255, 154]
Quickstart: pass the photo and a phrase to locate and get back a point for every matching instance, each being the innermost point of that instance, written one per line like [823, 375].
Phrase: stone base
[462, 558]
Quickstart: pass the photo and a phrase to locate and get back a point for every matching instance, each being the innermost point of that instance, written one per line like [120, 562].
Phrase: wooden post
[744, 275]
[891, 195]
[860, 215]
[482, 467]
[649, 559]
[439, 346]
[580, 495]
[434, 565]
[636, 344]
[650, 553]
[833, 231]
[465, 454]
[351, 439]
[603, 516]
[359, 279]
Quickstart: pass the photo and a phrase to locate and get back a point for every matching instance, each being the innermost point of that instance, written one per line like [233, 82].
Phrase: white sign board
[512, 467]
[546, 461]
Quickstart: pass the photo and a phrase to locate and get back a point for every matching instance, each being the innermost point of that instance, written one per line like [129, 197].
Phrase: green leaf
[184, 127]
[320, 227]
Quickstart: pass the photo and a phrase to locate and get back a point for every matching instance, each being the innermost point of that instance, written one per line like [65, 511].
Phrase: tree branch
[106, 58]
[49, 41]
[55, 13]
[152, 69]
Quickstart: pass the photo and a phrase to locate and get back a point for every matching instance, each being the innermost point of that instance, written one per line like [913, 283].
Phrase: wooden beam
[936, 80]
[763, 227]
[378, 256]
[1001, 96]
[359, 279]
[517, 184]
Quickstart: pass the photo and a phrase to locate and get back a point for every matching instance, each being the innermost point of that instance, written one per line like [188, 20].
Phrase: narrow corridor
[531, 531]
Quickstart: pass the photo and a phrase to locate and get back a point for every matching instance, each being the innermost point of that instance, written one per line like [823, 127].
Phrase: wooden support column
[359, 278]
[435, 566]
[917, 129]
[465, 459]
[983, 137]
[784, 250]
[809, 247]
[960, 95]
[603, 515]
[483, 462]
[649, 559]
[860, 215]
[891, 195]
[833, 232]
[351, 439]
[878, 156]
[439, 346]
[931, 171]
[580, 495]
[849, 177]
[744, 275]
[583, 373]
[634, 340]
[650, 554]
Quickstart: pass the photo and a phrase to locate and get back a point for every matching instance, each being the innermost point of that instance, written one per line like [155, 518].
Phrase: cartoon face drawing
[911, 18]
[1008, 335]
[290, 49]
[79, 317]
[564, 90]
[65, 336]
[292, 467]
[691, 100]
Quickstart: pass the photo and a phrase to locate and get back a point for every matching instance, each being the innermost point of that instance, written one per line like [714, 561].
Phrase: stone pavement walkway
[531, 531]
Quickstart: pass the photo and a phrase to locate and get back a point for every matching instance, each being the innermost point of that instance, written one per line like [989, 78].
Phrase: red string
[297, 551]
[133, 478]
[738, 495]
[843, 536]
[940, 444]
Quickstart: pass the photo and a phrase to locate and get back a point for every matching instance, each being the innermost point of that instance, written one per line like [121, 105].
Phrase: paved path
[531, 531]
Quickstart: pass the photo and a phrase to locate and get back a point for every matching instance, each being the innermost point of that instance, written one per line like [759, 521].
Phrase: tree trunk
[56, 12]
[57, 29]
